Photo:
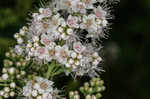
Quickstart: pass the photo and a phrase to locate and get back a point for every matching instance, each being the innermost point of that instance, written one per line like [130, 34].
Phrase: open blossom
[18, 49]
[45, 12]
[78, 6]
[89, 3]
[62, 53]
[46, 39]
[41, 52]
[40, 88]
[27, 89]
[89, 23]
[47, 96]
[100, 13]
[43, 85]
[72, 21]
[78, 47]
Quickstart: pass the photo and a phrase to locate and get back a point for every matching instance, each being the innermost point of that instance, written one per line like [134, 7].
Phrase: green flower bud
[103, 88]
[98, 96]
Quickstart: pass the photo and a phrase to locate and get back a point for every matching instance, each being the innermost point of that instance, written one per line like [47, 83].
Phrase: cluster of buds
[20, 36]
[93, 89]
[8, 91]
[12, 72]
[74, 95]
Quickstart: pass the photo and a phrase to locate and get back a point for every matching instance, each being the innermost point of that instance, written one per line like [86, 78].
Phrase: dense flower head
[61, 37]
[66, 31]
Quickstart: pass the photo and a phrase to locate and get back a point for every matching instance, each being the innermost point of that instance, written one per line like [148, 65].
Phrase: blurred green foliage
[126, 52]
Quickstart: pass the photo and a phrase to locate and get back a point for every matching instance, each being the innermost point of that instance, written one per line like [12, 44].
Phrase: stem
[3, 84]
[54, 69]
[50, 69]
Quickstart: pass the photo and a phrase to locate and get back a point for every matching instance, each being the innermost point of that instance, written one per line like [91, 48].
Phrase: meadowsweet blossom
[61, 37]
[40, 88]
[72, 21]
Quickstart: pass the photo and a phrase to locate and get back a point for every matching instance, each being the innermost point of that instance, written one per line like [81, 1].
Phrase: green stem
[50, 69]
[54, 69]
[3, 84]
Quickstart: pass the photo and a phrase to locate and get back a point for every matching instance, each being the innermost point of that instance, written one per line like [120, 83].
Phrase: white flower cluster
[55, 33]
[40, 88]
[60, 38]
[84, 14]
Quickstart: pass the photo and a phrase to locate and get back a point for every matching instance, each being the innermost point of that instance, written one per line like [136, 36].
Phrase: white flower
[4, 70]
[79, 56]
[18, 49]
[45, 12]
[89, 23]
[100, 13]
[64, 4]
[60, 29]
[52, 53]
[2, 93]
[37, 17]
[89, 3]
[64, 36]
[69, 31]
[12, 94]
[47, 96]
[72, 21]
[40, 27]
[62, 53]
[34, 93]
[11, 70]
[41, 52]
[46, 39]
[73, 54]
[19, 40]
[35, 38]
[78, 47]
[5, 76]
[6, 89]
[39, 97]
[6, 95]
[12, 85]
[43, 85]
[77, 63]
[27, 90]
[95, 62]
[55, 22]
[67, 65]
[78, 6]
[71, 61]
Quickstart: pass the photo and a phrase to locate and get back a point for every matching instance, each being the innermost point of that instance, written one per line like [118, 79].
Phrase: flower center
[68, 4]
[87, 1]
[64, 54]
[52, 52]
[45, 25]
[88, 22]
[43, 85]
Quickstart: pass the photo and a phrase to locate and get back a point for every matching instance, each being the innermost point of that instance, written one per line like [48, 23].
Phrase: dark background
[126, 52]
